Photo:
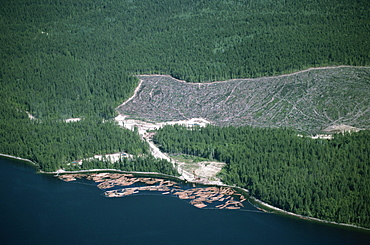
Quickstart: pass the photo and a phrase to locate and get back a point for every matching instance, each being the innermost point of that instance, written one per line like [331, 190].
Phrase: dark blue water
[40, 209]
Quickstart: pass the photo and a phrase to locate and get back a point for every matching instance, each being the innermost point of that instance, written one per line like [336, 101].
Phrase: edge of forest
[267, 207]
[248, 78]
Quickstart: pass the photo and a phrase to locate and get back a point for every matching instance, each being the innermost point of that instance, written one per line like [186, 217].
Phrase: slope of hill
[309, 101]
[70, 58]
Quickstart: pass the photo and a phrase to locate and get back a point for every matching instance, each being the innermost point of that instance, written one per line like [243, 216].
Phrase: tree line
[327, 179]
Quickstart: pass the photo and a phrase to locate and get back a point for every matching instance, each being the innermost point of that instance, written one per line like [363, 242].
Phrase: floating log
[200, 205]
[232, 207]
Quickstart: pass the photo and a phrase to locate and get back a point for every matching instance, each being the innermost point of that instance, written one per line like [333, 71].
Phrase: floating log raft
[198, 197]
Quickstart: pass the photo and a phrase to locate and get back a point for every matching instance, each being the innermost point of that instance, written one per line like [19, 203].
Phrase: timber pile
[134, 190]
[210, 195]
[200, 197]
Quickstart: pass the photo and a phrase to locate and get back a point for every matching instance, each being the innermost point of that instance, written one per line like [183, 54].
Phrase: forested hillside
[71, 58]
[54, 144]
[327, 179]
[51, 144]
[74, 58]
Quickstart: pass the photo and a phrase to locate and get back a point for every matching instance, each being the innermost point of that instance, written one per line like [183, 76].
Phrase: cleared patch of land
[309, 101]
[198, 169]
[190, 168]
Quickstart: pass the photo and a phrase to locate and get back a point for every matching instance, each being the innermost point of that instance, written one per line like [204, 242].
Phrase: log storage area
[120, 185]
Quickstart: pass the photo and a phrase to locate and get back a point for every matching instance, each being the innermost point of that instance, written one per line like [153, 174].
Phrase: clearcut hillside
[308, 101]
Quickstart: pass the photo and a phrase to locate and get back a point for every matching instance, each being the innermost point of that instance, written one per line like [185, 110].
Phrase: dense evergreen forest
[51, 143]
[73, 58]
[327, 179]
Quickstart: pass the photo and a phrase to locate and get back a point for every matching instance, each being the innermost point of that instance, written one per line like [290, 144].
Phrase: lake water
[41, 209]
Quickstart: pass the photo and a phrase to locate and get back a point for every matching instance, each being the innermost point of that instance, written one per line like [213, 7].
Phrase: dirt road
[204, 172]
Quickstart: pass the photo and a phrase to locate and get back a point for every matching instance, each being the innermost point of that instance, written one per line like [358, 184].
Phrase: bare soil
[205, 172]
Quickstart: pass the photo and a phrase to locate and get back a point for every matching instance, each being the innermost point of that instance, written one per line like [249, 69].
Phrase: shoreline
[18, 158]
[264, 206]
[281, 211]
